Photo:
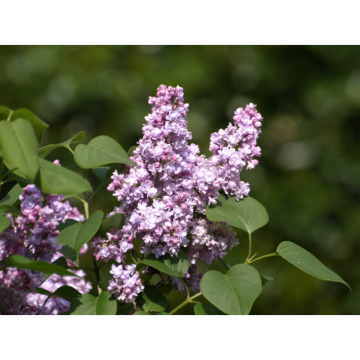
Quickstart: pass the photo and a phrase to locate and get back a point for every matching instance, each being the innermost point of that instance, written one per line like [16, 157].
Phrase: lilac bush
[176, 209]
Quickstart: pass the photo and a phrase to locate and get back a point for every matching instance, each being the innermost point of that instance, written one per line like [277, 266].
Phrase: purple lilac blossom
[33, 234]
[164, 197]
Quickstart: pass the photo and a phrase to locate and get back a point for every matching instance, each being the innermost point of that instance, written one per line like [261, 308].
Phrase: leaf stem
[249, 254]
[263, 257]
[186, 301]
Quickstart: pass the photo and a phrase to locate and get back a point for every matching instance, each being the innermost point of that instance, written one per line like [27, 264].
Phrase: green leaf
[165, 289]
[162, 314]
[53, 179]
[21, 181]
[66, 224]
[61, 262]
[66, 292]
[75, 236]
[101, 172]
[123, 308]
[43, 292]
[141, 313]
[22, 262]
[265, 279]
[176, 265]
[307, 262]
[46, 150]
[225, 264]
[152, 299]
[85, 304]
[202, 309]
[10, 209]
[233, 293]
[12, 197]
[247, 214]
[113, 222]
[38, 125]
[4, 223]
[18, 147]
[100, 151]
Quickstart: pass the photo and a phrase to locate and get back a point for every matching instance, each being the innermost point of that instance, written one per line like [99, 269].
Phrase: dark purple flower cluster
[33, 234]
[164, 197]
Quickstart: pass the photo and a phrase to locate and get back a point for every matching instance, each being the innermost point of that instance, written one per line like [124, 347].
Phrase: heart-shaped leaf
[307, 262]
[75, 236]
[65, 292]
[114, 222]
[20, 180]
[247, 214]
[202, 309]
[100, 151]
[141, 313]
[46, 150]
[12, 197]
[53, 179]
[38, 125]
[233, 293]
[4, 223]
[86, 304]
[165, 289]
[176, 265]
[22, 262]
[10, 209]
[18, 147]
[152, 299]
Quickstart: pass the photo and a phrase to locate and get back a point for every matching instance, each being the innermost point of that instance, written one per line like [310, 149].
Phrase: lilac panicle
[164, 197]
[33, 234]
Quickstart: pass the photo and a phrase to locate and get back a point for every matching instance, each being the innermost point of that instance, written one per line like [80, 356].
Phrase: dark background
[308, 177]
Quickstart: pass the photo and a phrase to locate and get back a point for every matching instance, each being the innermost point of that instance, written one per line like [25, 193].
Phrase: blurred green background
[308, 177]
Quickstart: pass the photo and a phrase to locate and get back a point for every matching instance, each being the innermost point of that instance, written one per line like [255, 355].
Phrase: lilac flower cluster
[126, 284]
[33, 234]
[164, 197]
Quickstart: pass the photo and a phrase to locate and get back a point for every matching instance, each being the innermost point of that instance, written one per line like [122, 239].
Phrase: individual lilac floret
[126, 284]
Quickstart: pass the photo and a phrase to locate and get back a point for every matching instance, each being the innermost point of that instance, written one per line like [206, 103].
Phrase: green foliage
[100, 151]
[101, 172]
[66, 292]
[75, 236]
[4, 223]
[202, 309]
[53, 179]
[233, 293]
[307, 262]
[38, 125]
[172, 265]
[141, 313]
[247, 214]
[46, 150]
[85, 304]
[12, 197]
[114, 222]
[152, 299]
[18, 147]
[22, 262]
[265, 279]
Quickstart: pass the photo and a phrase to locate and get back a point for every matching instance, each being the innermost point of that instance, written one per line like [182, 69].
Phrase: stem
[263, 257]
[188, 300]
[86, 208]
[99, 187]
[249, 254]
